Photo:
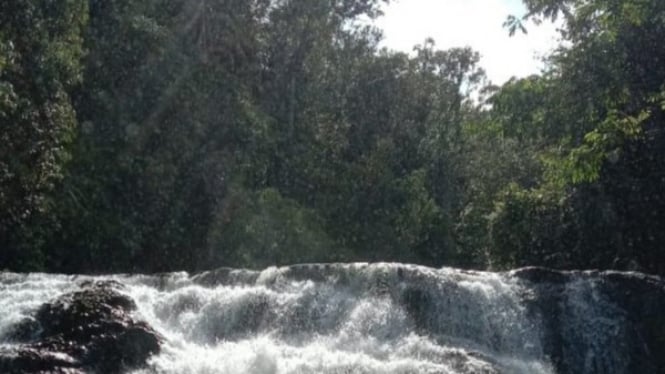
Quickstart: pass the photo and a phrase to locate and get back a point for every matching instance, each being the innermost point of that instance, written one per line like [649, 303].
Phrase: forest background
[157, 135]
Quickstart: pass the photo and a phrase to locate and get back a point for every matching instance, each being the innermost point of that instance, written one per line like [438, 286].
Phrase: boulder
[88, 330]
[598, 321]
[35, 360]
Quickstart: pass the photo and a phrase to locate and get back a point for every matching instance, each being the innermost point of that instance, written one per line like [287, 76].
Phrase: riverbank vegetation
[155, 135]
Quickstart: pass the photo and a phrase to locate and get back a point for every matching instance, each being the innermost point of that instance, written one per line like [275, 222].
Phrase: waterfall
[351, 318]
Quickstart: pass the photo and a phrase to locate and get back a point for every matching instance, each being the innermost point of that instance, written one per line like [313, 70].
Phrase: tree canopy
[155, 135]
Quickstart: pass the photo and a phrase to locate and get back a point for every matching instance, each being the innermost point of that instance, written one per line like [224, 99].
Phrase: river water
[344, 318]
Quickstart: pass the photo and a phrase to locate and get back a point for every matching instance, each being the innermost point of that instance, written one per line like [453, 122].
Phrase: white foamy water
[357, 318]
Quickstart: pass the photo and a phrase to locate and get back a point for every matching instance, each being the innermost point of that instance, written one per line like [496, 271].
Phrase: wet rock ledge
[90, 330]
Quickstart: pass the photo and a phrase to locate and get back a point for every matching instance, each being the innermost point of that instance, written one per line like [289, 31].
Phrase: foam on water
[356, 318]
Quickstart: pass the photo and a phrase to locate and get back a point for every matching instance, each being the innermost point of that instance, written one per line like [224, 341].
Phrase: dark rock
[313, 272]
[129, 348]
[244, 319]
[225, 276]
[87, 330]
[33, 360]
[418, 304]
[643, 298]
[69, 313]
[25, 331]
[597, 322]
[540, 275]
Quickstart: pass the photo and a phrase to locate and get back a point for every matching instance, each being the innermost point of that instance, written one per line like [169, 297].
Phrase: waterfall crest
[361, 318]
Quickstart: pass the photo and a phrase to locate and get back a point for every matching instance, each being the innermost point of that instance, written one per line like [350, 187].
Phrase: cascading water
[355, 318]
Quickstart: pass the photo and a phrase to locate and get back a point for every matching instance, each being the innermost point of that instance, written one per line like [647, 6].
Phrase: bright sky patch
[474, 23]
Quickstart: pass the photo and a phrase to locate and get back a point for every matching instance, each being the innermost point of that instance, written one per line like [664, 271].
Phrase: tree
[601, 185]
[38, 70]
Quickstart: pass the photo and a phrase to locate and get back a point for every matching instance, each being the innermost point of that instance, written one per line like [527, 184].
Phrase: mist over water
[355, 318]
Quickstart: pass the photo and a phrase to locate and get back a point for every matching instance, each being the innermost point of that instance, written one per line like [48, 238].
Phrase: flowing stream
[353, 318]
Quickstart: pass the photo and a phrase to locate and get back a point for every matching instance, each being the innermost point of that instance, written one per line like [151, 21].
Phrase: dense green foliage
[151, 135]
[37, 120]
